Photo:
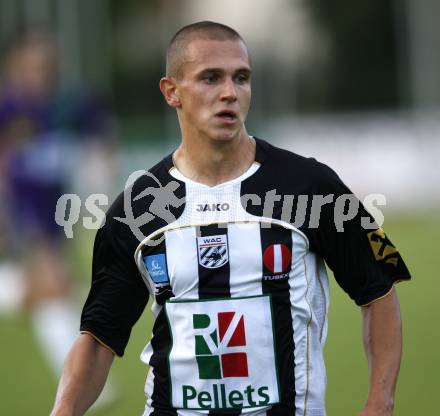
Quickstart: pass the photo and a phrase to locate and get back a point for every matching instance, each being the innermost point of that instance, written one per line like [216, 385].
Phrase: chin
[226, 135]
[225, 138]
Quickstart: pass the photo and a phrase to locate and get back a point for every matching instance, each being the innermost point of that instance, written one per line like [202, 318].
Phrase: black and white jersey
[239, 286]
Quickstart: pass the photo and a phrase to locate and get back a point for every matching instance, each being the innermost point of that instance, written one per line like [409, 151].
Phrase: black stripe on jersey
[163, 292]
[281, 306]
[213, 282]
[161, 343]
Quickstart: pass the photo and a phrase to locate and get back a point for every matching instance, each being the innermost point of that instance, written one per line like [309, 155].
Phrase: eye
[210, 78]
[242, 78]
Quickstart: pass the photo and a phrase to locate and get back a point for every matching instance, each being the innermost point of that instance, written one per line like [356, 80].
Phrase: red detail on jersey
[277, 258]
[268, 258]
[235, 365]
[238, 337]
[224, 320]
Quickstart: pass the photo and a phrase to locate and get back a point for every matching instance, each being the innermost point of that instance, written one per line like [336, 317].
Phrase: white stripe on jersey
[148, 389]
[317, 294]
[301, 316]
[181, 250]
[277, 259]
[245, 268]
[310, 377]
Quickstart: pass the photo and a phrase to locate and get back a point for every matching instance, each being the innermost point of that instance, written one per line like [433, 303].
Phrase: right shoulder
[137, 210]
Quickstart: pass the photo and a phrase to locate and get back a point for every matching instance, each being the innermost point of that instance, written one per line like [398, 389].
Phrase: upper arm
[364, 261]
[88, 346]
[118, 294]
[385, 306]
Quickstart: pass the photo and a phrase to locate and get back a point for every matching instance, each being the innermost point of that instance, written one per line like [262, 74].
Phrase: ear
[168, 87]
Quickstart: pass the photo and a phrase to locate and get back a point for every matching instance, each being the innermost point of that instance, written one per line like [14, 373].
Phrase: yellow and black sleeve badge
[387, 254]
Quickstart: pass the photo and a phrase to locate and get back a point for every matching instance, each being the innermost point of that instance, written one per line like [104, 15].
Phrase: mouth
[227, 116]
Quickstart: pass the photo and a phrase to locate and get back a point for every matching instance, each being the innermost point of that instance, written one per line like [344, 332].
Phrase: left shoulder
[291, 170]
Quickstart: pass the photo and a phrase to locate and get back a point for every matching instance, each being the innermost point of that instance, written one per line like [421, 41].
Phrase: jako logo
[229, 334]
[212, 207]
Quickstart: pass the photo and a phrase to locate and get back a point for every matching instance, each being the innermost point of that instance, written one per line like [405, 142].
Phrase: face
[213, 89]
[33, 66]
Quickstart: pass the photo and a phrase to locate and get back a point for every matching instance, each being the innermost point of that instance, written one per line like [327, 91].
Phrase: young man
[239, 286]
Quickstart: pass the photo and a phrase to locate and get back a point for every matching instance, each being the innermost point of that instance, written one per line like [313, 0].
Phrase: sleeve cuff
[383, 294]
[84, 331]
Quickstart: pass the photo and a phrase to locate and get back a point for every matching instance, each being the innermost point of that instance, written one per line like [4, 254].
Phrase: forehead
[224, 54]
[36, 51]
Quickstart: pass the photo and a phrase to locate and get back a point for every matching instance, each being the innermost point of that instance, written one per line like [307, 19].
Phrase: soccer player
[229, 235]
[39, 124]
[33, 177]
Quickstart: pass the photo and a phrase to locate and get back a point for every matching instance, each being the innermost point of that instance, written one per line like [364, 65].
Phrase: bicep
[91, 349]
[382, 323]
[112, 308]
[364, 261]
[87, 356]
[363, 266]
[84, 374]
[382, 309]
[117, 295]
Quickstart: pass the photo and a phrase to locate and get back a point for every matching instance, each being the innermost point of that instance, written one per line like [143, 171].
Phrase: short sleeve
[364, 261]
[118, 294]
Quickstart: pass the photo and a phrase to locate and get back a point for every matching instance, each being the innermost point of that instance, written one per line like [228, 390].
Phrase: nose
[228, 92]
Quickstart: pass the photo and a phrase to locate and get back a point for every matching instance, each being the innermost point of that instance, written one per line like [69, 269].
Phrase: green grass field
[27, 386]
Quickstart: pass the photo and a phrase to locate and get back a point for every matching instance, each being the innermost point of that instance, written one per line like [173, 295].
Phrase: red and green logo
[219, 345]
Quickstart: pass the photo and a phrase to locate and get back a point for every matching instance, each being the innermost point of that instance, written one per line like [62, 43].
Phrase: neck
[212, 162]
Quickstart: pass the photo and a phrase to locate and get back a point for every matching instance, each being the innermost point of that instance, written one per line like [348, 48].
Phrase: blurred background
[354, 84]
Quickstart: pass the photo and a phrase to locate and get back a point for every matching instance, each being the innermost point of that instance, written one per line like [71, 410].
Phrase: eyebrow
[245, 70]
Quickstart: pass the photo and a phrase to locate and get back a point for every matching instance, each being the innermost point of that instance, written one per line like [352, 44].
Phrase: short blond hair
[200, 30]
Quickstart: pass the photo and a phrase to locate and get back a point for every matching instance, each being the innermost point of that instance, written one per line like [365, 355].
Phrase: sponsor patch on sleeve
[157, 268]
